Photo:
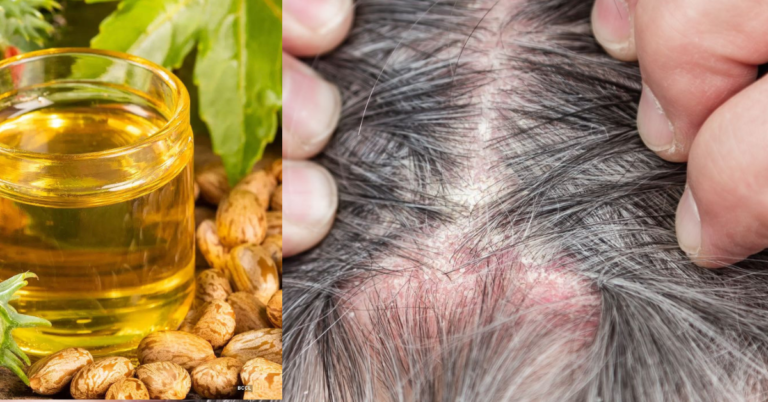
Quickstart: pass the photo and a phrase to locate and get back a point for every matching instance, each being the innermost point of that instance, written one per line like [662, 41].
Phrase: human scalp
[502, 232]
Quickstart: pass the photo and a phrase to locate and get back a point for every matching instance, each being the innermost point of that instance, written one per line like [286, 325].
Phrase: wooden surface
[11, 387]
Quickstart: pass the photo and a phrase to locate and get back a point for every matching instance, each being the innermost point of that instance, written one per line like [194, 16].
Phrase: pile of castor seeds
[230, 343]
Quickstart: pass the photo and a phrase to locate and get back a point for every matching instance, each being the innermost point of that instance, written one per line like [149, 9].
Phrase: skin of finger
[728, 174]
[302, 42]
[311, 110]
[300, 238]
[602, 17]
[695, 55]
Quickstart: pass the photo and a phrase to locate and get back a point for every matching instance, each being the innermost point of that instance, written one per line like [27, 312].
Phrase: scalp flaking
[502, 233]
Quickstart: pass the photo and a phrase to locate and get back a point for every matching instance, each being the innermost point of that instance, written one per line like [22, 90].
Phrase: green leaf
[163, 31]
[238, 72]
[11, 356]
[23, 25]
[238, 68]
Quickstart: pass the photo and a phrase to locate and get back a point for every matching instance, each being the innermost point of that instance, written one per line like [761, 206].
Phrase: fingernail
[688, 224]
[655, 128]
[317, 16]
[309, 194]
[611, 23]
[311, 105]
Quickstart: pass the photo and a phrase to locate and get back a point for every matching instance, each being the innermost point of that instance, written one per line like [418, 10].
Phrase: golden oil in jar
[96, 199]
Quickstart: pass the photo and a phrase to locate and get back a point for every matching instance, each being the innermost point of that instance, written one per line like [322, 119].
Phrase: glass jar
[96, 197]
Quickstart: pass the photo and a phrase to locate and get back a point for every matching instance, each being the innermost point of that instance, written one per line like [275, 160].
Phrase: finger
[312, 27]
[694, 55]
[723, 215]
[309, 205]
[311, 110]
[612, 25]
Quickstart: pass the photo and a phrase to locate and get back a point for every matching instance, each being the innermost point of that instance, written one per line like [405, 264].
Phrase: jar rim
[181, 97]
[97, 180]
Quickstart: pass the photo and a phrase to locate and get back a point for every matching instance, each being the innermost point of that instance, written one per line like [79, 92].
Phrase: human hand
[702, 103]
[311, 108]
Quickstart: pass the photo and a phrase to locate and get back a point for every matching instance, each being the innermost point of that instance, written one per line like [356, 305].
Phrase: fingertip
[612, 26]
[726, 177]
[310, 199]
[688, 224]
[311, 110]
[688, 229]
[315, 27]
[657, 131]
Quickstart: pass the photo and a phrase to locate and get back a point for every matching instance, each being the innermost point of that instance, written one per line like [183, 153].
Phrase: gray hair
[502, 233]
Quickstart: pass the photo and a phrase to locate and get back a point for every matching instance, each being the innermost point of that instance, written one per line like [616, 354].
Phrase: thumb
[613, 27]
[722, 217]
[312, 27]
[309, 205]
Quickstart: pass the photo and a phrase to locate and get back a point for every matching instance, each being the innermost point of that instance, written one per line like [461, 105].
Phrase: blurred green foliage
[231, 50]
[238, 66]
[22, 25]
[11, 356]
